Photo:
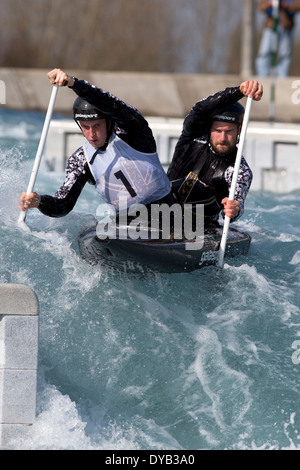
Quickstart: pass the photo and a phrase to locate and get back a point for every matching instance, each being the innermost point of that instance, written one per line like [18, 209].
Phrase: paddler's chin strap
[109, 126]
[109, 129]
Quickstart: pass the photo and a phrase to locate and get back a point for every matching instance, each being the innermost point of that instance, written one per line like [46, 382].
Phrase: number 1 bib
[121, 171]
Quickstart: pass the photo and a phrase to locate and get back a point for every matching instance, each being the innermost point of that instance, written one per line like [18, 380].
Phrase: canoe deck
[161, 255]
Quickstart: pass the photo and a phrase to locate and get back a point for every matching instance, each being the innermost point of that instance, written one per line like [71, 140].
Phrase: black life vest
[205, 182]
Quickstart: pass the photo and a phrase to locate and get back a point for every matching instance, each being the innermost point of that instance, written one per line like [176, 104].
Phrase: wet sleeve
[197, 122]
[197, 126]
[54, 206]
[133, 128]
[65, 198]
[243, 184]
[104, 100]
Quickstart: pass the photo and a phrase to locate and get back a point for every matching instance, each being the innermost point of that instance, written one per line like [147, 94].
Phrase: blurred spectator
[284, 31]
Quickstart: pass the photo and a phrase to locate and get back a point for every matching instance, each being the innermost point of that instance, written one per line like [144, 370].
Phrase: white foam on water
[296, 258]
[59, 426]
[227, 388]
[11, 181]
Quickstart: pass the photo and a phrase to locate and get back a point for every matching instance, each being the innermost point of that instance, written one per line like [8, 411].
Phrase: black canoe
[164, 256]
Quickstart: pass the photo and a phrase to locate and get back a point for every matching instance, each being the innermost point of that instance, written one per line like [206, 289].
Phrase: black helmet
[232, 113]
[83, 110]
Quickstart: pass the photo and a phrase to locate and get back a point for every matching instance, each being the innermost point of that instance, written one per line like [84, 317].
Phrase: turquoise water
[184, 361]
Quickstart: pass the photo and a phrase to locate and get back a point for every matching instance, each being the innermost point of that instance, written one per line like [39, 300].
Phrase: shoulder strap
[93, 157]
[190, 180]
[200, 162]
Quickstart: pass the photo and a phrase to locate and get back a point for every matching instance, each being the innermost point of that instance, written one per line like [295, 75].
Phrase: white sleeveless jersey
[121, 171]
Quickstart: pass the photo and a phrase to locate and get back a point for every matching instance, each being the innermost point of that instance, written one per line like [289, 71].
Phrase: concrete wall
[154, 94]
[18, 360]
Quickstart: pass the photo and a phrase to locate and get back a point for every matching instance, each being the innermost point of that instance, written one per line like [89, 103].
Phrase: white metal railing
[271, 149]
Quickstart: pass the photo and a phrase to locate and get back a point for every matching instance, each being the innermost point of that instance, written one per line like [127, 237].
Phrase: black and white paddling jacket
[128, 167]
[193, 153]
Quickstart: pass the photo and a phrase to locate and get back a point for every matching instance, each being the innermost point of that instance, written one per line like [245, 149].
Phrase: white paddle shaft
[234, 181]
[40, 147]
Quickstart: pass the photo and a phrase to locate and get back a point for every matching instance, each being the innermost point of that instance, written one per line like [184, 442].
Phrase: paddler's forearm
[64, 199]
[54, 207]
[198, 119]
